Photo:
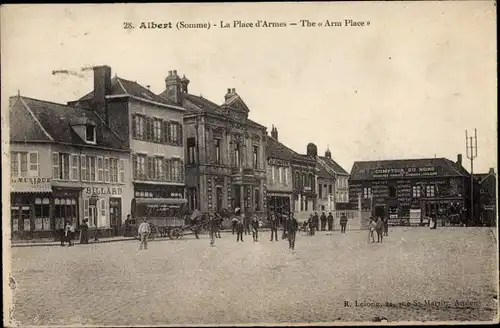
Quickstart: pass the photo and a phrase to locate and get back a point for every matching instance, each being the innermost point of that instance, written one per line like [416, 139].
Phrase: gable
[23, 126]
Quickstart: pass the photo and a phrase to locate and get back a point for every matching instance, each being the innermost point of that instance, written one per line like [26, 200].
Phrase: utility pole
[471, 149]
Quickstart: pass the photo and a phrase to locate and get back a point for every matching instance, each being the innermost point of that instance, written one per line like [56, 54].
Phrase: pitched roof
[275, 149]
[481, 177]
[55, 119]
[24, 126]
[445, 167]
[323, 172]
[121, 86]
[334, 165]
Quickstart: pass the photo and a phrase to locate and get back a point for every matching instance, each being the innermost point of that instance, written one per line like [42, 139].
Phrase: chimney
[274, 133]
[173, 87]
[491, 171]
[459, 159]
[102, 88]
[328, 154]
[184, 83]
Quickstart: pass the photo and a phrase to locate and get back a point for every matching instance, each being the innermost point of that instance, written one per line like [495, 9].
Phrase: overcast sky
[406, 86]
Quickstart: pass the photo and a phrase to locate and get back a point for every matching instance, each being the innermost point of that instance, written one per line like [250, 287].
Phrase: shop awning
[167, 201]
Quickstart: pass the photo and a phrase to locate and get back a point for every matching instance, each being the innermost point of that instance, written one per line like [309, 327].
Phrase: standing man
[330, 221]
[316, 221]
[239, 230]
[84, 232]
[218, 219]
[285, 226]
[323, 221]
[343, 223]
[144, 231]
[233, 223]
[255, 228]
[212, 228]
[274, 227]
[293, 226]
[246, 224]
[386, 226]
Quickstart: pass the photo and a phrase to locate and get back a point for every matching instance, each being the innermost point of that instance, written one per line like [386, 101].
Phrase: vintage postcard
[249, 164]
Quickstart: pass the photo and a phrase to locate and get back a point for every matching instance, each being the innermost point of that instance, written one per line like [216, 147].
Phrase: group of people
[290, 227]
[313, 223]
[380, 226]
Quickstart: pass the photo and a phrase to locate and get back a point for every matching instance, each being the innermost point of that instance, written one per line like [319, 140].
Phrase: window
[92, 163]
[330, 189]
[392, 191]
[237, 155]
[273, 174]
[191, 146]
[86, 208]
[138, 127]
[65, 209]
[74, 168]
[106, 169]
[100, 169]
[217, 151]
[83, 168]
[157, 130]
[114, 169]
[416, 191]
[286, 175]
[320, 191]
[20, 166]
[166, 131]
[140, 166]
[42, 216]
[280, 174]
[90, 133]
[159, 168]
[60, 166]
[174, 137]
[121, 171]
[367, 192]
[429, 190]
[255, 156]
[257, 200]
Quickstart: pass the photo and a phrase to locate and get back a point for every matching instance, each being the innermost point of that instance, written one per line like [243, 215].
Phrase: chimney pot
[228, 90]
[169, 73]
[459, 159]
[233, 90]
[492, 170]
[175, 72]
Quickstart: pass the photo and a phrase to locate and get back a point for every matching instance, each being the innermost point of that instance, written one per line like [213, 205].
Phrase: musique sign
[33, 184]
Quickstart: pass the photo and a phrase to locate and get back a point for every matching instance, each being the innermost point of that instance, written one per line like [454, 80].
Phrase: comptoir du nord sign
[405, 172]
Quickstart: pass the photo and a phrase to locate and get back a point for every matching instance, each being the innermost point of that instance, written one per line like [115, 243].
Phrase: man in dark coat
[273, 224]
[212, 228]
[316, 221]
[330, 221]
[285, 226]
[343, 223]
[310, 223]
[255, 228]
[293, 226]
[239, 230]
[246, 224]
[323, 221]
[219, 220]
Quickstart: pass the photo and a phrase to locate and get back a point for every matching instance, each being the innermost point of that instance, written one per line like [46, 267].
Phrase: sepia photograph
[249, 164]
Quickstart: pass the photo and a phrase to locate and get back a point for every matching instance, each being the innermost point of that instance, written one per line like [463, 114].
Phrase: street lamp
[93, 202]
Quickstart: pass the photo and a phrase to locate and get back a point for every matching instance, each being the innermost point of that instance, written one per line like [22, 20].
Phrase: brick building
[225, 151]
[60, 156]
[485, 192]
[151, 127]
[420, 187]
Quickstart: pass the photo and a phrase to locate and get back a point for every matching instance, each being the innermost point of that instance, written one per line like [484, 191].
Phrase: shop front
[279, 203]
[31, 207]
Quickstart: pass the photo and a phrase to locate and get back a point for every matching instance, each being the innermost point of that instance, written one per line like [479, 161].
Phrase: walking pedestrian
[371, 229]
[212, 228]
[293, 226]
[330, 221]
[84, 232]
[323, 221]
[65, 234]
[255, 228]
[316, 221]
[379, 228]
[219, 220]
[386, 226]
[144, 231]
[233, 223]
[343, 223]
[239, 230]
[71, 235]
[246, 224]
[274, 227]
[310, 223]
[285, 226]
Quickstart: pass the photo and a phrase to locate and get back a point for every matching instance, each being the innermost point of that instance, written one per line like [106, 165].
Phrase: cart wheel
[176, 233]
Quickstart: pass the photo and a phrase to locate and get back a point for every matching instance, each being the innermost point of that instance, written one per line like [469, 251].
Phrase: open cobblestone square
[416, 274]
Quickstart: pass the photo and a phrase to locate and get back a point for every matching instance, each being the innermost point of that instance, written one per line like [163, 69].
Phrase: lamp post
[471, 149]
[93, 202]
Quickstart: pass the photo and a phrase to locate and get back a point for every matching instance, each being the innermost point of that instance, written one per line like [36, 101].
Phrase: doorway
[218, 199]
[115, 214]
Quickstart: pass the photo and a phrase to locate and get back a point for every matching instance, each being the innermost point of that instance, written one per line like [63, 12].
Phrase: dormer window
[90, 134]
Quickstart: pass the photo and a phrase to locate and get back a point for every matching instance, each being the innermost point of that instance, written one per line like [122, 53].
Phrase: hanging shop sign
[103, 191]
[278, 162]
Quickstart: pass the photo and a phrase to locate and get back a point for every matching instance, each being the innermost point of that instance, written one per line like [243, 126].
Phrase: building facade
[304, 184]
[152, 128]
[225, 151]
[279, 175]
[66, 165]
[485, 192]
[400, 189]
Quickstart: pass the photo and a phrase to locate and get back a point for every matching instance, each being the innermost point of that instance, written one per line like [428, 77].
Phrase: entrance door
[218, 202]
[93, 215]
[115, 214]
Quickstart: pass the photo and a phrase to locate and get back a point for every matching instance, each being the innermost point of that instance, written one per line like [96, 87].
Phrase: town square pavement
[415, 274]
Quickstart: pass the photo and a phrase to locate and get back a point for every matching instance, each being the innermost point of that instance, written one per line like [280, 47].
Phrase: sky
[407, 85]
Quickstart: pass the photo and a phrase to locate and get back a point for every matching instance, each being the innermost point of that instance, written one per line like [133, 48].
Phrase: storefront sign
[404, 172]
[35, 184]
[489, 207]
[103, 191]
[278, 162]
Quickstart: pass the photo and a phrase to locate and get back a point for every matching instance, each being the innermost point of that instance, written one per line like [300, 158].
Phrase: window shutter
[167, 132]
[179, 134]
[162, 132]
[86, 208]
[151, 129]
[181, 171]
[134, 126]
[55, 165]
[83, 167]
[134, 165]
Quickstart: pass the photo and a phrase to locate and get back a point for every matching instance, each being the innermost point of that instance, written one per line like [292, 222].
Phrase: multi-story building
[66, 165]
[422, 187]
[304, 182]
[279, 175]
[341, 188]
[485, 191]
[151, 127]
[225, 151]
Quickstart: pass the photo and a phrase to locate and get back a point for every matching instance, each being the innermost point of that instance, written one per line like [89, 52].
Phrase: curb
[58, 244]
